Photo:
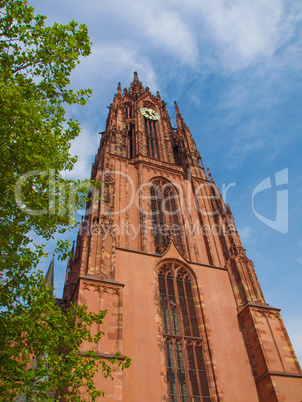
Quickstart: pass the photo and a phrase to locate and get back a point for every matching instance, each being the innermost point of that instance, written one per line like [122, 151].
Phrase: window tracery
[165, 211]
[186, 371]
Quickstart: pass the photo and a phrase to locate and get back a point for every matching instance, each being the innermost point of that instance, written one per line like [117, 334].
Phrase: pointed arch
[166, 215]
[186, 370]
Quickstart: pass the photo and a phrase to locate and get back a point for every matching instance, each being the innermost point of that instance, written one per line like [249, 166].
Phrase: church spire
[49, 277]
[136, 87]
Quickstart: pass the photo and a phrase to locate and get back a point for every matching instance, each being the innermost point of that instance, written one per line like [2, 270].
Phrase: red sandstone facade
[161, 252]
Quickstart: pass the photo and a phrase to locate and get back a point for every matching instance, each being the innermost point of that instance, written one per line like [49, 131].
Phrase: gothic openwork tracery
[186, 372]
[166, 216]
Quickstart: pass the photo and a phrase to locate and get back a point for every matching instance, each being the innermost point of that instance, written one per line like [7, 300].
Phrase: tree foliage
[35, 65]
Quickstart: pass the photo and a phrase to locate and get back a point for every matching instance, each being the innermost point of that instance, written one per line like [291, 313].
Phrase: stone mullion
[234, 283]
[182, 335]
[257, 284]
[169, 309]
[187, 305]
[252, 280]
[119, 201]
[143, 223]
[246, 280]
[127, 201]
[199, 212]
[190, 237]
[180, 322]
[120, 322]
[197, 370]
[166, 138]
[275, 343]
[182, 332]
[160, 135]
[239, 281]
[262, 348]
[141, 137]
[207, 208]
[175, 361]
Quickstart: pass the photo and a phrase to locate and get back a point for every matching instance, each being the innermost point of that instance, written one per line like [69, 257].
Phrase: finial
[135, 76]
[119, 89]
[176, 107]
[158, 96]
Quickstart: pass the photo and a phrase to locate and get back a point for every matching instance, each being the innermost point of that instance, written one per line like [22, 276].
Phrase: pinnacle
[119, 89]
[136, 86]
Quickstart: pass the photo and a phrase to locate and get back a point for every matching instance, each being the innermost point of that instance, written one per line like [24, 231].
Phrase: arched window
[186, 373]
[165, 215]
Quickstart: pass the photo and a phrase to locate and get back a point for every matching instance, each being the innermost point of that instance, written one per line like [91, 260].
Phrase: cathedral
[159, 249]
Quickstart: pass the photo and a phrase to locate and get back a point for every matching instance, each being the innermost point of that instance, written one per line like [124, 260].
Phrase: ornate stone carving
[268, 314]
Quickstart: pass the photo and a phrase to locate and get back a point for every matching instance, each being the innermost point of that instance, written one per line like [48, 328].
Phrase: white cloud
[245, 233]
[85, 146]
[167, 31]
[243, 30]
[239, 32]
[152, 23]
[109, 62]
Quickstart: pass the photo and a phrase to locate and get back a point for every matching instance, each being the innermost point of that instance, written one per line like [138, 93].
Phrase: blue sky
[234, 68]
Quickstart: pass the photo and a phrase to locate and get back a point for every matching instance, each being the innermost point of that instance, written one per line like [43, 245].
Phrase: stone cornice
[258, 306]
[140, 159]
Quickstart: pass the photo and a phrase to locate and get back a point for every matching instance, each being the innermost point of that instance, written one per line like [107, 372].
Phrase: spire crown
[136, 86]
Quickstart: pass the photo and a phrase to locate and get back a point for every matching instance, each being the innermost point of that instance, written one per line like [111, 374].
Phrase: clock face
[150, 114]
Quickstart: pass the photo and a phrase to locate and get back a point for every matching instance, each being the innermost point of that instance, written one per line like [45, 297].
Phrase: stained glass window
[186, 372]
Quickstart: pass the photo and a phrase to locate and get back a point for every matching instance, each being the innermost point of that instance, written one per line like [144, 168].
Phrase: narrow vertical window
[152, 142]
[186, 373]
[177, 155]
[131, 140]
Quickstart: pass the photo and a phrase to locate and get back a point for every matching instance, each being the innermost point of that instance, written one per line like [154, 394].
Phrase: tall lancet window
[186, 372]
[152, 140]
[165, 210]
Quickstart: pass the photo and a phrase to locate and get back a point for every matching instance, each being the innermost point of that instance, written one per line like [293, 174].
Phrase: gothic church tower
[160, 251]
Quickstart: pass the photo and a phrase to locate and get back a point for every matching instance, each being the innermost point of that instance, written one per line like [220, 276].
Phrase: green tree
[35, 65]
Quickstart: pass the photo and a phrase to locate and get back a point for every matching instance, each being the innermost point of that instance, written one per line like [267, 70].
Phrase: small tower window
[131, 140]
[177, 156]
[128, 110]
